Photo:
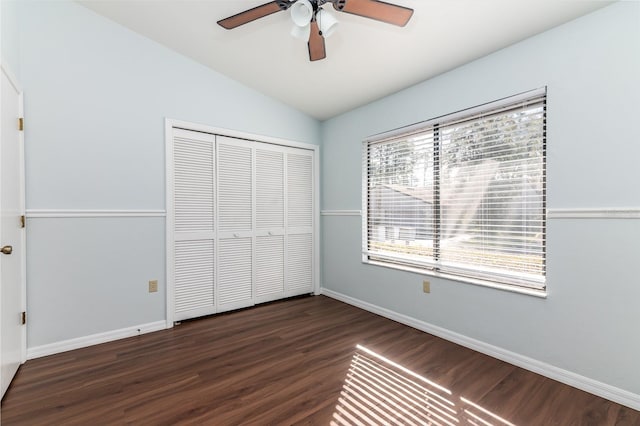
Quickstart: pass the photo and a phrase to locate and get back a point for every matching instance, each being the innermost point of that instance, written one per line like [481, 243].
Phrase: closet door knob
[6, 250]
[236, 235]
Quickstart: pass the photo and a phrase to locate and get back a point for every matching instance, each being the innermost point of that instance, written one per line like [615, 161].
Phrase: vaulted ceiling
[366, 59]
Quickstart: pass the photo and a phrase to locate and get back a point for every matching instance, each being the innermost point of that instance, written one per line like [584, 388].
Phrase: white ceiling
[366, 59]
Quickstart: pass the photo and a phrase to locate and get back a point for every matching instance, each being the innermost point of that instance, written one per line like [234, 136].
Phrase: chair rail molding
[595, 213]
[341, 212]
[74, 213]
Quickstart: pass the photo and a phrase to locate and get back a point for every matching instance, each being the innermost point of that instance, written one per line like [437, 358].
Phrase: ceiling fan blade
[375, 9]
[316, 43]
[253, 14]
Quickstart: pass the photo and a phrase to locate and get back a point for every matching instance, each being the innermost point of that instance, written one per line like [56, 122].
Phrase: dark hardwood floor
[293, 362]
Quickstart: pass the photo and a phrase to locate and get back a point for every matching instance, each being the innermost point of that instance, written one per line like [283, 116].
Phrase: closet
[240, 222]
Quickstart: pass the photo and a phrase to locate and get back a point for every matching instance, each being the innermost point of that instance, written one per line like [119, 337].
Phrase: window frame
[435, 124]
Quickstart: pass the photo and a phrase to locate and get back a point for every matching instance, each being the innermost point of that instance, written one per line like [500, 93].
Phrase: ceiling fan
[313, 23]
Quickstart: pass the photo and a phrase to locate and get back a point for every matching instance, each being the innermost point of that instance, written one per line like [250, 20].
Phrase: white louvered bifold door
[194, 237]
[235, 223]
[241, 216]
[270, 205]
[299, 222]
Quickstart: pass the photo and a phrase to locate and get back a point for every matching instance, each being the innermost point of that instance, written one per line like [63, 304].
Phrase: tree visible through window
[462, 194]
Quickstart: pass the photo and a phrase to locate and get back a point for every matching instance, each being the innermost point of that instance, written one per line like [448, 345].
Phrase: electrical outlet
[153, 286]
[426, 286]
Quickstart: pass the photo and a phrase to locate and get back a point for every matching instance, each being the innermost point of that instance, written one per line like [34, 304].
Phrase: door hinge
[23, 318]
[21, 123]
[23, 221]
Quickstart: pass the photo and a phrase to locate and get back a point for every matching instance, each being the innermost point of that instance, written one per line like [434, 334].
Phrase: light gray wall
[96, 96]
[10, 36]
[590, 321]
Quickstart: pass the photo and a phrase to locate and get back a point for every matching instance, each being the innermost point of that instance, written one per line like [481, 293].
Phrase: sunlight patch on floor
[379, 391]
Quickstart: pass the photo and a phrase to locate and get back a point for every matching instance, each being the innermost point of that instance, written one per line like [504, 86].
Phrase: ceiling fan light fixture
[301, 33]
[327, 22]
[301, 12]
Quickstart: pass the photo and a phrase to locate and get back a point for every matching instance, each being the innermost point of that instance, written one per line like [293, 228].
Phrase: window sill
[504, 287]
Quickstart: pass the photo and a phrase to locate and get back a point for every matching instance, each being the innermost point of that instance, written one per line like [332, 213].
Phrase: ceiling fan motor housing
[284, 4]
[339, 4]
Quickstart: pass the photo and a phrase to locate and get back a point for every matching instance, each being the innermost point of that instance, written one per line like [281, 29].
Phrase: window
[462, 195]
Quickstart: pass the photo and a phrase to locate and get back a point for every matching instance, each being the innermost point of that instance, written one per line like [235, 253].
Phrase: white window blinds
[462, 194]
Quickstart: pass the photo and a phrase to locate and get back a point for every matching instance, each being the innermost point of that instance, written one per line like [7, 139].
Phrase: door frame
[21, 166]
[170, 124]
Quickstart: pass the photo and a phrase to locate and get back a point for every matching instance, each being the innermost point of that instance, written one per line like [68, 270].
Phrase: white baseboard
[586, 384]
[94, 339]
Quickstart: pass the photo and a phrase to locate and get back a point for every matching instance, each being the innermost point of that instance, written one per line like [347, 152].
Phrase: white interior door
[12, 334]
